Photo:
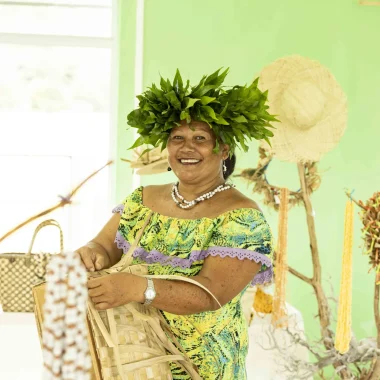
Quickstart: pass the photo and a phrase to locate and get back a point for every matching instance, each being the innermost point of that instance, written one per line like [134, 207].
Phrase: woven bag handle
[127, 259]
[48, 222]
[184, 279]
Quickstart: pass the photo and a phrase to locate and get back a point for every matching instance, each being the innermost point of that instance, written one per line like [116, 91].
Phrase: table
[20, 350]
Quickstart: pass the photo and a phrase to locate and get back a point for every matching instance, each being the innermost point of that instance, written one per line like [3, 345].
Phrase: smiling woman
[200, 227]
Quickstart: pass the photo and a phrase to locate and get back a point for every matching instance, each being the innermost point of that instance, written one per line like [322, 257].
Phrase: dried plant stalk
[343, 331]
[281, 265]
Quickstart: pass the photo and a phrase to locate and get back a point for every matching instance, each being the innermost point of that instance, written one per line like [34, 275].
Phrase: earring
[224, 167]
[169, 169]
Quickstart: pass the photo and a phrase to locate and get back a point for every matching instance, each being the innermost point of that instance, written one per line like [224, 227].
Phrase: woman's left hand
[112, 290]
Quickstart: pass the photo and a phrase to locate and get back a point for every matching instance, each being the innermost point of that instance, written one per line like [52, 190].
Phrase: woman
[221, 240]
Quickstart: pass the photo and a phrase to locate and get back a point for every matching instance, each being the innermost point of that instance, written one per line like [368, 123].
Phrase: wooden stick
[300, 275]
[354, 200]
[375, 370]
[323, 307]
[64, 201]
[377, 311]
[290, 192]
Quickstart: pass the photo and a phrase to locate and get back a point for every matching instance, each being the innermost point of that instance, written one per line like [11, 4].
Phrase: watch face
[150, 294]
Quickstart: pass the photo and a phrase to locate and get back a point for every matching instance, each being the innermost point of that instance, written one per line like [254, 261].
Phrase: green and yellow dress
[216, 341]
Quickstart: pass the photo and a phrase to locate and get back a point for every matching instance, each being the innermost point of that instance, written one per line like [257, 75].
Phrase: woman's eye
[177, 137]
[200, 138]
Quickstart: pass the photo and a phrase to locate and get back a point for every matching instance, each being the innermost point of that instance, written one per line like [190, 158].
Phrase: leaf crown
[236, 115]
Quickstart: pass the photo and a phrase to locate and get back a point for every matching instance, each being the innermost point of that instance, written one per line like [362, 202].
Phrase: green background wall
[199, 36]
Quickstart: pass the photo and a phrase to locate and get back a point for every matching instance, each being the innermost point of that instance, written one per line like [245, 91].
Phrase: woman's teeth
[189, 161]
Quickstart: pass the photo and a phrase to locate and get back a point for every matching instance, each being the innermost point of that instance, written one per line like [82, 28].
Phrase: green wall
[199, 36]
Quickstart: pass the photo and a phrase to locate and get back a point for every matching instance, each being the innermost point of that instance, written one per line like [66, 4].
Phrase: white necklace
[183, 203]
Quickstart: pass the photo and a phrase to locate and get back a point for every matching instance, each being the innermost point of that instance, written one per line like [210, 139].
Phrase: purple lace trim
[118, 209]
[158, 257]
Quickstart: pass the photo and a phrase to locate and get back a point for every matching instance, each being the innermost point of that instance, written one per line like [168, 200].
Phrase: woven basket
[133, 341]
[20, 271]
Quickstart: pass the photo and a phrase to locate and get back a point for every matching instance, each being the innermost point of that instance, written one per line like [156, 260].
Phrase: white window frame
[90, 42]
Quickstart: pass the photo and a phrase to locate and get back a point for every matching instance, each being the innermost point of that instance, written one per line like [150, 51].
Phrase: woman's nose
[188, 145]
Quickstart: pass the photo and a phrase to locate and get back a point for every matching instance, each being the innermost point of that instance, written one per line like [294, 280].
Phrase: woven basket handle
[48, 222]
[184, 279]
[127, 259]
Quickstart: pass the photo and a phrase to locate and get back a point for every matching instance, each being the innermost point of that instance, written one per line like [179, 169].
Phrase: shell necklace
[184, 204]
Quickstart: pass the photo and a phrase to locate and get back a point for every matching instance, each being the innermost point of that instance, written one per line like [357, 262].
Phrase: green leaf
[203, 90]
[221, 120]
[240, 119]
[178, 83]
[151, 118]
[203, 118]
[224, 109]
[199, 85]
[189, 102]
[173, 100]
[164, 85]
[164, 142]
[206, 100]
[210, 112]
[159, 94]
[217, 147]
[215, 79]
[240, 138]
[185, 90]
[250, 116]
[267, 117]
[268, 141]
[145, 151]
[184, 115]
[138, 142]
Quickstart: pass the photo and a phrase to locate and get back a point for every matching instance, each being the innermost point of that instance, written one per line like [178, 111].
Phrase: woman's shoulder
[156, 189]
[153, 193]
[238, 201]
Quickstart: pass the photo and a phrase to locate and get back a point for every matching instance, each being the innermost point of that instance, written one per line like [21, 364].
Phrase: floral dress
[215, 341]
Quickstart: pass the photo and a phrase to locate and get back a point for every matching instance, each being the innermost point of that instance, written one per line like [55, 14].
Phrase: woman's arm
[224, 277]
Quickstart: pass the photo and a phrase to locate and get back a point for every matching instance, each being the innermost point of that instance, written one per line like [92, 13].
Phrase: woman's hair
[230, 164]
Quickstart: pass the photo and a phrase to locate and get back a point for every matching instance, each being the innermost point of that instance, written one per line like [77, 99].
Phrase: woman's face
[191, 157]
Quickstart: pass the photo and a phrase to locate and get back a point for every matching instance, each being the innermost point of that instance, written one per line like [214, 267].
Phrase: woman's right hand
[94, 257]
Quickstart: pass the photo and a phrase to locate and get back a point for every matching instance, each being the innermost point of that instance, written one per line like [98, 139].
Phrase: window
[55, 117]
[61, 17]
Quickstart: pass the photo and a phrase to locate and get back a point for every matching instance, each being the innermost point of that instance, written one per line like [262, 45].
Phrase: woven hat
[311, 107]
[151, 162]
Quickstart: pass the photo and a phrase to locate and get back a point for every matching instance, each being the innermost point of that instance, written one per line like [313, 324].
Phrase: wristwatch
[150, 292]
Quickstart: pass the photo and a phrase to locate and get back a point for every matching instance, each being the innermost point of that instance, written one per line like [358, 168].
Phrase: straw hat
[310, 105]
[152, 162]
